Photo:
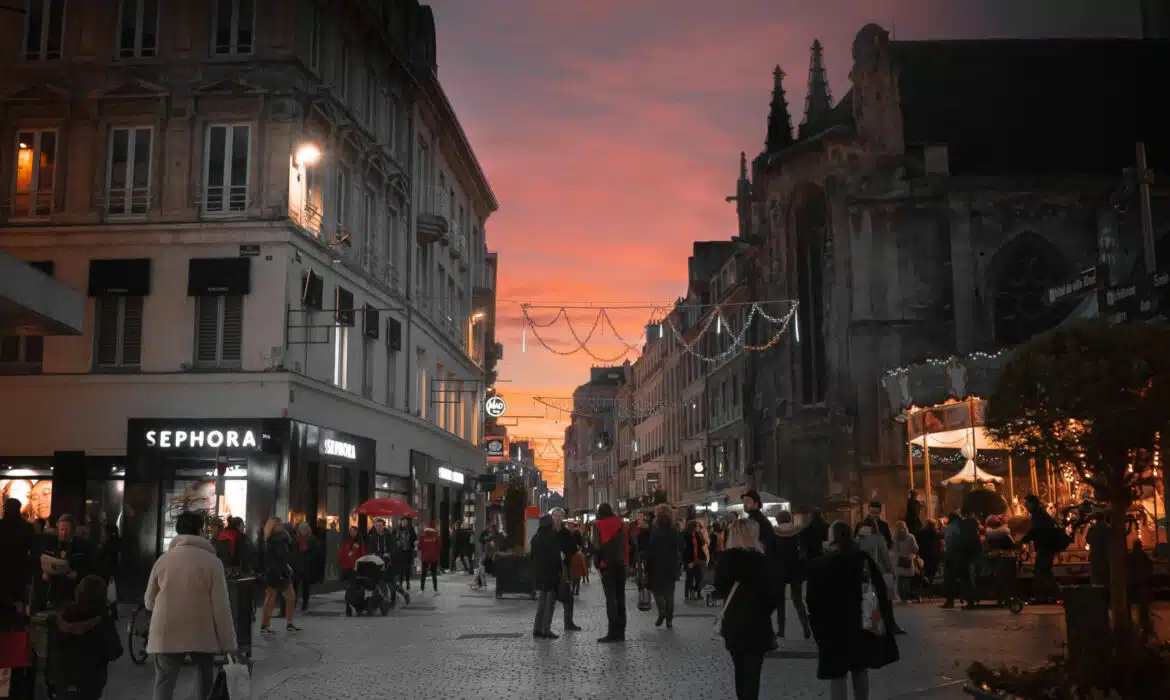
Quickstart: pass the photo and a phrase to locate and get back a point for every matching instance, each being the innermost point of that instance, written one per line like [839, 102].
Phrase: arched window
[810, 224]
[1026, 268]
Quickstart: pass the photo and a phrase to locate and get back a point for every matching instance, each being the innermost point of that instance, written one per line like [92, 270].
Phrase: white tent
[971, 474]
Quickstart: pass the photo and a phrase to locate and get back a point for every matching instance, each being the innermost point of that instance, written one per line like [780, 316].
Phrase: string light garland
[738, 341]
[582, 343]
[590, 406]
[941, 362]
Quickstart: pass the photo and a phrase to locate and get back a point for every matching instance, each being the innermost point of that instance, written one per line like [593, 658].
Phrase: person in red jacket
[430, 545]
[350, 551]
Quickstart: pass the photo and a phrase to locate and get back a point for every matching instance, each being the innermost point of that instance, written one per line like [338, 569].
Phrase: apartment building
[591, 469]
[278, 227]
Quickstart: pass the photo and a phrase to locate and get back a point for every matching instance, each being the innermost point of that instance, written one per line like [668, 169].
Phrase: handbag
[871, 611]
[905, 562]
[879, 649]
[718, 627]
[15, 649]
[233, 682]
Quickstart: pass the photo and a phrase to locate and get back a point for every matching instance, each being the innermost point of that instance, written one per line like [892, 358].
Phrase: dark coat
[767, 534]
[882, 527]
[278, 560]
[17, 544]
[747, 623]
[310, 563]
[913, 515]
[789, 555]
[662, 558]
[929, 544]
[812, 538]
[834, 609]
[86, 644]
[547, 559]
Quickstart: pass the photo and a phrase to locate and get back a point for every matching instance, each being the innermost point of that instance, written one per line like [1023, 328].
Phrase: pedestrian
[464, 549]
[578, 566]
[612, 557]
[743, 580]
[874, 545]
[914, 512]
[837, 584]
[278, 575]
[662, 560]
[694, 559]
[17, 545]
[383, 543]
[874, 519]
[1048, 540]
[547, 567]
[790, 573]
[569, 550]
[930, 551]
[1097, 541]
[753, 508]
[407, 541]
[66, 559]
[1141, 572]
[905, 556]
[87, 644]
[192, 616]
[351, 549]
[307, 562]
[430, 547]
[814, 535]
[962, 547]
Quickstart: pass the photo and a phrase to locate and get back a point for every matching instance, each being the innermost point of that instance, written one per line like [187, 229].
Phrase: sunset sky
[610, 131]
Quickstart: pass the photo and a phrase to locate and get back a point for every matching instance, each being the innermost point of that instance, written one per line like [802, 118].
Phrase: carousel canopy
[956, 438]
[768, 504]
[971, 474]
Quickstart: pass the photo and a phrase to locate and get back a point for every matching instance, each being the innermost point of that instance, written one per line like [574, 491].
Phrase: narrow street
[467, 645]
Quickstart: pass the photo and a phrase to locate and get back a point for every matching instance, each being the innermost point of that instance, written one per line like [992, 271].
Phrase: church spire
[819, 103]
[779, 120]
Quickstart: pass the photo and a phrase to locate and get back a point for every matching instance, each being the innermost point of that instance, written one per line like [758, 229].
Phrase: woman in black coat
[547, 568]
[743, 581]
[662, 559]
[834, 606]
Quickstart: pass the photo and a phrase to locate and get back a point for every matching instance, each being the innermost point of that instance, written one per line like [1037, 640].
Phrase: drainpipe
[411, 241]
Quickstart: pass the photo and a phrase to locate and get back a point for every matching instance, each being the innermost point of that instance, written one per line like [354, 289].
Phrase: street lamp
[307, 154]
[477, 316]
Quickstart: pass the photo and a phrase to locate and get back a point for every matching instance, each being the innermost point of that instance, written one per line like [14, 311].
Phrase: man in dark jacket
[406, 542]
[568, 546]
[17, 539]
[547, 570]
[66, 546]
[382, 542]
[1048, 540]
[612, 558]
[790, 563]
[752, 505]
[875, 514]
[814, 535]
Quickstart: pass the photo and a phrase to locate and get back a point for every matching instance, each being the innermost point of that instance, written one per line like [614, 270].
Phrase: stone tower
[779, 119]
[819, 103]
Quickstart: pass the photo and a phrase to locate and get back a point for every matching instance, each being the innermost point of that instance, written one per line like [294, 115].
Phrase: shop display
[35, 495]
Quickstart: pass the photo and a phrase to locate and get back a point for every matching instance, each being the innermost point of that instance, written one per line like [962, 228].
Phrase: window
[128, 171]
[36, 170]
[369, 232]
[137, 28]
[370, 112]
[341, 199]
[226, 162]
[315, 40]
[392, 378]
[234, 27]
[21, 354]
[341, 356]
[343, 79]
[219, 330]
[118, 332]
[44, 29]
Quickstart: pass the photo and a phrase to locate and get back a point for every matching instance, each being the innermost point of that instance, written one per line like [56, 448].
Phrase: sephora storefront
[251, 469]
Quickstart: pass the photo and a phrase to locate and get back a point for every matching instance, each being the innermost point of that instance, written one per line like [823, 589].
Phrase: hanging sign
[495, 406]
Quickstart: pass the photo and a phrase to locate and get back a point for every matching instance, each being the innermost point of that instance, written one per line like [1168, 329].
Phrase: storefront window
[32, 486]
[103, 504]
[193, 489]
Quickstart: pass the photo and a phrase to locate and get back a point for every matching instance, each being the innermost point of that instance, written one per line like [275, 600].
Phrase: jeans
[402, 570]
[166, 674]
[958, 580]
[613, 582]
[433, 567]
[748, 667]
[796, 588]
[568, 607]
[664, 600]
[839, 691]
[305, 589]
[546, 603]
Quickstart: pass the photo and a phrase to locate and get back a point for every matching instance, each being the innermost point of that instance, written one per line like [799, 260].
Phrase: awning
[119, 278]
[210, 277]
[33, 303]
[971, 474]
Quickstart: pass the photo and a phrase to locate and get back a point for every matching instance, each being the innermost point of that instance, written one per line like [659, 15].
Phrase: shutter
[233, 329]
[107, 331]
[206, 330]
[132, 331]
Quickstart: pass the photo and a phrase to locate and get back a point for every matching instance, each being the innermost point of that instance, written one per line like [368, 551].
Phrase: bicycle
[137, 633]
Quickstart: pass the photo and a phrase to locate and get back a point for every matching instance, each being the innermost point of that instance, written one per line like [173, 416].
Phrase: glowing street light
[477, 316]
[307, 154]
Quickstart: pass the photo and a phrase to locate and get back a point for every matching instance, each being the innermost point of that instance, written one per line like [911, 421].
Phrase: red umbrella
[387, 508]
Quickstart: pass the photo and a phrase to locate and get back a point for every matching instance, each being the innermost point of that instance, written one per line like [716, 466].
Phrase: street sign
[1083, 283]
[495, 406]
[1137, 301]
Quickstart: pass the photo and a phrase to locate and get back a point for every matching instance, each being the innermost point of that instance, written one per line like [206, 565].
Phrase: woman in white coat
[188, 596]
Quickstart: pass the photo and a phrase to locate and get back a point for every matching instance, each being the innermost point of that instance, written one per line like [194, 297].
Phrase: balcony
[434, 218]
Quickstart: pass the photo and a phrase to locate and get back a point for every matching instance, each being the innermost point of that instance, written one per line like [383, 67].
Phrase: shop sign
[698, 469]
[178, 439]
[337, 448]
[450, 475]
[495, 406]
[496, 447]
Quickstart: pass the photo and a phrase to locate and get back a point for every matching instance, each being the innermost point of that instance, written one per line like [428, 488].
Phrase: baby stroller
[709, 586]
[368, 589]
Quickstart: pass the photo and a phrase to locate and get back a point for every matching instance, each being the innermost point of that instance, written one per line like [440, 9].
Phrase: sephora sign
[195, 439]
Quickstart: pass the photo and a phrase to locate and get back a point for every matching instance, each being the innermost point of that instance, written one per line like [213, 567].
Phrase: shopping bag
[15, 649]
[234, 682]
[718, 627]
[871, 611]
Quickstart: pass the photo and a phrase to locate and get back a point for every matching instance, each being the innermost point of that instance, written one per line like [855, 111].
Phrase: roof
[1019, 106]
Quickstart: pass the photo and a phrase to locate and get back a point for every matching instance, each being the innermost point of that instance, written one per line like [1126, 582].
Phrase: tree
[1092, 397]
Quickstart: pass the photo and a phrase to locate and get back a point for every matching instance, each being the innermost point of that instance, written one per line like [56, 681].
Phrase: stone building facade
[926, 214]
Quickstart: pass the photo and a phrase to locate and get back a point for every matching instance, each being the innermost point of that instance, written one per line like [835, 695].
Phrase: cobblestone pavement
[468, 645]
